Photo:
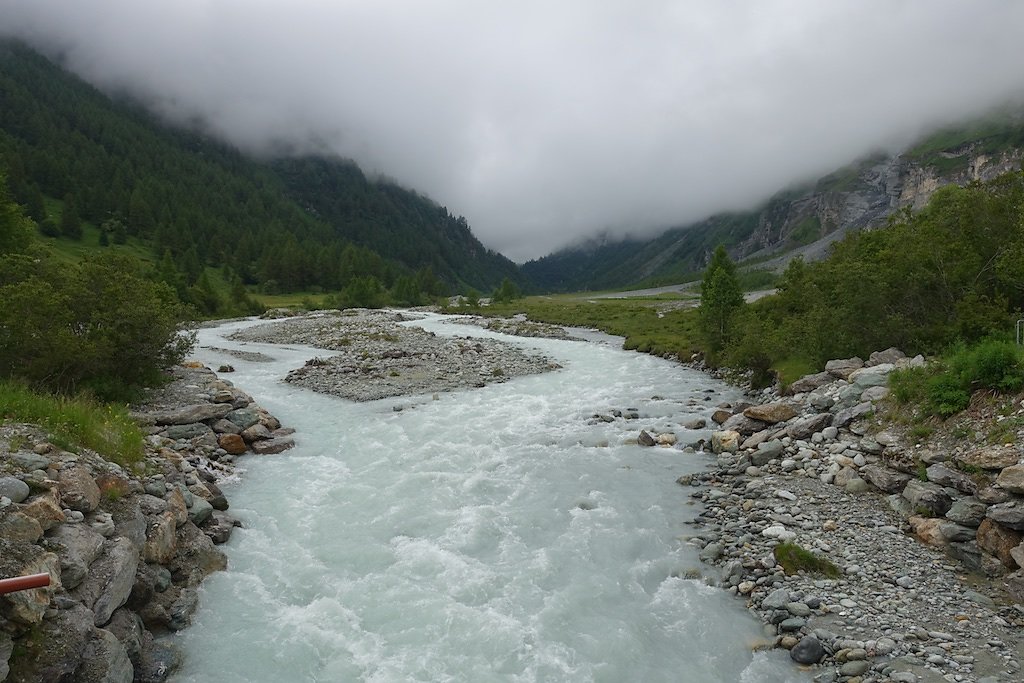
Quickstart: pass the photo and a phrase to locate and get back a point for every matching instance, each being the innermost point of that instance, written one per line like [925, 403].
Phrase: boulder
[257, 432]
[867, 377]
[884, 478]
[771, 413]
[743, 424]
[1009, 514]
[77, 546]
[726, 441]
[694, 423]
[808, 651]
[272, 446]
[989, 458]
[891, 355]
[845, 416]
[55, 650]
[194, 413]
[720, 416]
[810, 382]
[927, 497]
[645, 439]
[841, 368]
[946, 476]
[110, 580]
[27, 607]
[1012, 479]
[802, 429]
[78, 490]
[997, 540]
[188, 431]
[161, 541]
[105, 660]
[14, 488]
[46, 509]
[232, 443]
[243, 417]
[18, 527]
[928, 530]
[225, 427]
[766, 452]
[967, 511]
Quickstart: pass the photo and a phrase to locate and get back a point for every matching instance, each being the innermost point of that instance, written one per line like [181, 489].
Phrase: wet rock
[272, 446]
[645, 439]
[808, 651]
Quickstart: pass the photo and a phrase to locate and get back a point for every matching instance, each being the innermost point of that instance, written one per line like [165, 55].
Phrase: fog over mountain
[546, 122]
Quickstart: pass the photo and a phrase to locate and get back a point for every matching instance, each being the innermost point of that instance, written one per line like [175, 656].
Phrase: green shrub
[946, 394]
[908, 385]
[97, 325]
[990, 364]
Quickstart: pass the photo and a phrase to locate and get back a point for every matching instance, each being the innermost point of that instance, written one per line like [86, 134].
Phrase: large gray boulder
[927, 497]
[110, 580]
[802, 429]
[884, 478]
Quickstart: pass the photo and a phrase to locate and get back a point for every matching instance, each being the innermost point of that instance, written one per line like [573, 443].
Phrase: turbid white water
[489, 535]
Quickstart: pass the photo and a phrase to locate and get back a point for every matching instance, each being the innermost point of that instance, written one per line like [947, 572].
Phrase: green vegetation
[720, 300]
[649, 325]
[949, 272]
[944, 388]
[793, 559]
[75, 422]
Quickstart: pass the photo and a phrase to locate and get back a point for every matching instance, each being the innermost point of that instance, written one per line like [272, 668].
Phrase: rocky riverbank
[925, 541]
[375, 357]
[125, 548]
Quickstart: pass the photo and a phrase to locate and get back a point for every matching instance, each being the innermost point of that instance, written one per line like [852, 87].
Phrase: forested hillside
[76, 157]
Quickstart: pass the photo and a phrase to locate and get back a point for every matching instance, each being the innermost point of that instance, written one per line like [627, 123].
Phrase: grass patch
[642, 321]
[74, 423]
[792, 558]
[792, 369]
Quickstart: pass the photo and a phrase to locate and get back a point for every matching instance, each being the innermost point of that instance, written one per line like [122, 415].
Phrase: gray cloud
[544, 122]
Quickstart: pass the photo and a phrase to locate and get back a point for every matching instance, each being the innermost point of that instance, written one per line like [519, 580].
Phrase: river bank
[927, 587]
[126, 548]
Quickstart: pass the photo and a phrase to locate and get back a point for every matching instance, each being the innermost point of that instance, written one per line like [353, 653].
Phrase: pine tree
[720, 298]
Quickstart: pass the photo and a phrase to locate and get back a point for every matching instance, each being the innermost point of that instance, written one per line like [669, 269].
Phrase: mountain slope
[295, 223]
[799, 220]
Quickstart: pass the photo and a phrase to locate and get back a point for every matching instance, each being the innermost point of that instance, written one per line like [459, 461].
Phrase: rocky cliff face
[863, 196]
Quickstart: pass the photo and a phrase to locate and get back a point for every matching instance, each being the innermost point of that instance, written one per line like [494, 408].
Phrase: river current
[493, 534]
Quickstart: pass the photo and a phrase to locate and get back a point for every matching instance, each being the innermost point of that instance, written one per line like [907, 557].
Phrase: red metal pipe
[20, 583]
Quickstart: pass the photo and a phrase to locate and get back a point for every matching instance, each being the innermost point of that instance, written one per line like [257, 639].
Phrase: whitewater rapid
[493, 534]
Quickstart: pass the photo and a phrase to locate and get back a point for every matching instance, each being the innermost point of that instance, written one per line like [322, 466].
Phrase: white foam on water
[491, 535]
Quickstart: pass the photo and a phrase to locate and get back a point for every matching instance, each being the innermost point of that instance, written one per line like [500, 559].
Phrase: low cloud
[544, 123]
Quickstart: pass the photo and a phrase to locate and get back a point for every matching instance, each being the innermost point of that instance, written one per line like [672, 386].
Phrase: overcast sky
[545, 122]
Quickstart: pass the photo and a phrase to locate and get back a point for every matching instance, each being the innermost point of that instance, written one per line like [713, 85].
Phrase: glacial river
[492, 534]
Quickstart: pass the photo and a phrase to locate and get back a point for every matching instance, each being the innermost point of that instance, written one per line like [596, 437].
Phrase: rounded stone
[854, 668]
[14, 488]
[808, 651]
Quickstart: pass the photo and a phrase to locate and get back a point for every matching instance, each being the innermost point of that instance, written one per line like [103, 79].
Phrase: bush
[991, 364]
[96, 325]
